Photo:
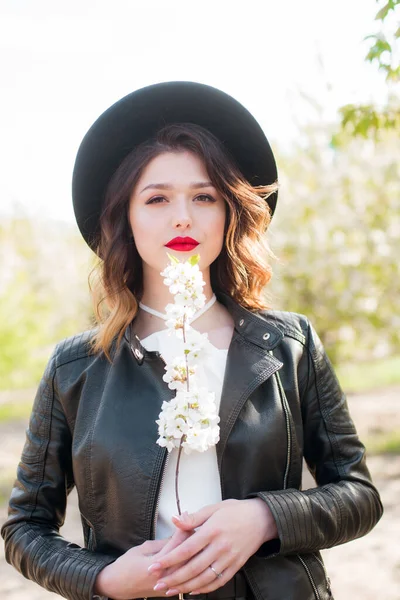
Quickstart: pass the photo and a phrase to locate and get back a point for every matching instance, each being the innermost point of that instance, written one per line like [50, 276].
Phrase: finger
[193, 520]
[169, 544]
[191, 569]
[182, 524]
[151, 547]
[194, 544]
[159, 575]
[206, 581]
[175, 540]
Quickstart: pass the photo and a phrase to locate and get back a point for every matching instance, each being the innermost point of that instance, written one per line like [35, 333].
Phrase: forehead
[173, 166]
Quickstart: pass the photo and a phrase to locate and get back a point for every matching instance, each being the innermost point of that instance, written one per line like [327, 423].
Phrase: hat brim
[139, 115]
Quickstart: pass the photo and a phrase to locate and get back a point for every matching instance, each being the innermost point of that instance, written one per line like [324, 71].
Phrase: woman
[182, 168]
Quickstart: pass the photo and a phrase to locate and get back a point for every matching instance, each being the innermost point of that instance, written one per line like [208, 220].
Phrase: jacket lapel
[247, 367]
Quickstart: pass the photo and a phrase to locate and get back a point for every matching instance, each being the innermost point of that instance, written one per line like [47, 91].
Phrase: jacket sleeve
[345, 505]
[38, 502]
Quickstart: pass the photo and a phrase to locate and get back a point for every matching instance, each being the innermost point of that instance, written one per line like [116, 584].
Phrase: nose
[182, 218]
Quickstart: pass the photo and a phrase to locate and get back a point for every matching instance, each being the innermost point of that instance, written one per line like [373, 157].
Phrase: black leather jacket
[93, 426]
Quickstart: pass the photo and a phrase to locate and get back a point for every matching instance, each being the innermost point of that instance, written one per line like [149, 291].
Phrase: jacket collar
[253, 326]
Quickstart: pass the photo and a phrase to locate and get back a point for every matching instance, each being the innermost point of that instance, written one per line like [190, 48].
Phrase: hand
[229, 533]
[128, 577]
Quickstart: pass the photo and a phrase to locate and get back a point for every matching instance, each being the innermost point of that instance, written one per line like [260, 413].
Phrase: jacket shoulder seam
[73, 348]
[71, 360]
[316, 365]
[43, 449]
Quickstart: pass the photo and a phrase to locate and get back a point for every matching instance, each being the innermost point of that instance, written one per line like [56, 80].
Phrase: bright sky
[63, 63]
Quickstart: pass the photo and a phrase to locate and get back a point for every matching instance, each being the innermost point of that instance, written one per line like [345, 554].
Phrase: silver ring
[217, 574]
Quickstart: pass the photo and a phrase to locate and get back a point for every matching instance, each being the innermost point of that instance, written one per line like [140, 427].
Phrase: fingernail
[172, 592]
[182, 517]
[159, 586]
[154, 567]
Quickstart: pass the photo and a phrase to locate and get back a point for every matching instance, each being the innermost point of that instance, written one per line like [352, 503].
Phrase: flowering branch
[189, 421]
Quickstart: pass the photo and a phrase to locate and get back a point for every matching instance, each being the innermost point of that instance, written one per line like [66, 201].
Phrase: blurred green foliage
[356, 377]
[382, 51]
[337, 234]
[365, 119]
[43, 295]
[13, 411]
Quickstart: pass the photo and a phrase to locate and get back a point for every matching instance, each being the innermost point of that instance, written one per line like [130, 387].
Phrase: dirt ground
[364, 569]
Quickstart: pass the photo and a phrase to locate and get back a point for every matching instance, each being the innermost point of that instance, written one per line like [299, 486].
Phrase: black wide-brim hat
[139, 115]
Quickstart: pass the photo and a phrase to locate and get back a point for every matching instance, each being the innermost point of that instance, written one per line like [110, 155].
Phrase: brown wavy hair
[241, 270]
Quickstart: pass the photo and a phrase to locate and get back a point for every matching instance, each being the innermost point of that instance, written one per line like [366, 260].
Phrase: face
[174, 198]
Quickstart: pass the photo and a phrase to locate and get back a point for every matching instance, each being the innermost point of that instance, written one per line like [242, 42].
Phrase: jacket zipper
[154, 524]
[285, 478]
[288, 433]
[286, 475]
[154, 521]
[90, 539]
[310, 577]
[220, 483]
[285, 481]
[328, 581]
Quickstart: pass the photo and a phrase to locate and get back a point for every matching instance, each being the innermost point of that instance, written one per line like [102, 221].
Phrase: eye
[155, 200]
[205, 197]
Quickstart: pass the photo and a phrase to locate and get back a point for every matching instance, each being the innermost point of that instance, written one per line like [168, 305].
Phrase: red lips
[182, 244]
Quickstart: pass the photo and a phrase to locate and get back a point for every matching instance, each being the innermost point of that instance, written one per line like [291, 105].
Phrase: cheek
[141, 225]
[138, 228]
[215, 234]
[218, 226]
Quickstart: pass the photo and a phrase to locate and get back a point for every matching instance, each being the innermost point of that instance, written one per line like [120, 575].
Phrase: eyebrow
[168, 186]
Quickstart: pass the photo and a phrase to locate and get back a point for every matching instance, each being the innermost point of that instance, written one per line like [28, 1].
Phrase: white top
[199, 482]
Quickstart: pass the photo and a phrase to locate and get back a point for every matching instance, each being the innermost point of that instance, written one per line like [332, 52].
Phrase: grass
[367, 376]
[385, 443]
[13, 411]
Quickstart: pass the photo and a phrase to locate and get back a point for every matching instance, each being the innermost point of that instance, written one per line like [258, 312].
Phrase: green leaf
[193, 260]
[393, 74]
[382, 14]
[383, 45]
[173, 259]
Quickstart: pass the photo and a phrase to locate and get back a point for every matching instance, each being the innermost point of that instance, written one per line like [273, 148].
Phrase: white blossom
[176, 373]
[192, 415]
[196, 346]
[190, 419]
[175, 311]
[200, 439]
[185, 282]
